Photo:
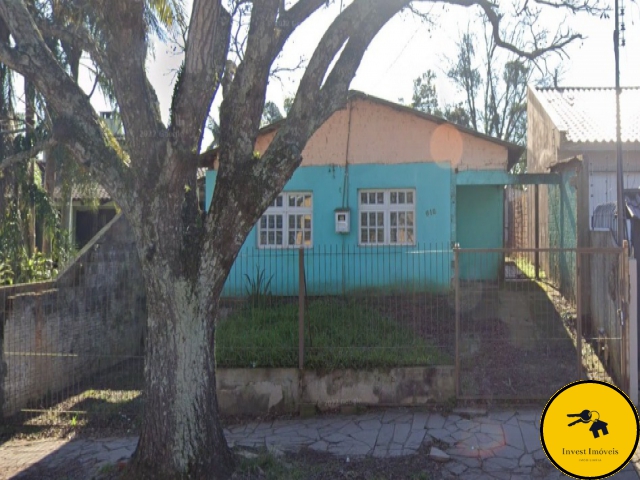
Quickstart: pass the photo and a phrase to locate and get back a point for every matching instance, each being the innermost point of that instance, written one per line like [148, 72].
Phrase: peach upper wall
[380, 134]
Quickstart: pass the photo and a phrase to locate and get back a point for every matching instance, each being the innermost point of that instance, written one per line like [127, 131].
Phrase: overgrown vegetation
[339, 333]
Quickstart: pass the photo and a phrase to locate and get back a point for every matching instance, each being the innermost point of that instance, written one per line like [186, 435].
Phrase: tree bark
[181, 434]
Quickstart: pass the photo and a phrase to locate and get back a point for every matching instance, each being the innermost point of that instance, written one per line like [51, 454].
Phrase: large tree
[186, 254]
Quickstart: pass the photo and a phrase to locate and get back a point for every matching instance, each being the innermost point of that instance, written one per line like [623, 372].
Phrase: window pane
[263, 222]
[363, 219]
[410, 219]
[278, 238]
[372, 219]
[364, 237]
[292, 222]
[307, 201]
[263, 238]
[401, 217]
[410, 197]
[292, 238]
[394, 219]
[272, 238]
[307, 222]
[380, 219]
[401, 197]
[363, 198]
[410, 235]
[394, 235]
[380, 198]
[272, 221]
[394, 197]
[307, 238]
[372, 198]
[279, 201]
[380, 236]
[278, 221]
[372, 235]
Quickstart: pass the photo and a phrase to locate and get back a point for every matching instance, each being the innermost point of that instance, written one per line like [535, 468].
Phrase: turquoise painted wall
[336, 263]
[480, 223]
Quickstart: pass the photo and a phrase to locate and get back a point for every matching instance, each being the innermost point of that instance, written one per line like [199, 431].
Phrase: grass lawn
[338, 334]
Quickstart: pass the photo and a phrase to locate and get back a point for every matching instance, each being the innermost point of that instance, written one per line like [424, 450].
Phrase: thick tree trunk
[181, 434]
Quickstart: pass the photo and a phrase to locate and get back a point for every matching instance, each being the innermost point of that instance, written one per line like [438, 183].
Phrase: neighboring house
[572, 131]
[86, 210]
[407, 184]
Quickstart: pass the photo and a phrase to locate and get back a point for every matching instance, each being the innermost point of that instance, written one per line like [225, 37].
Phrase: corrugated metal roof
[589, 114]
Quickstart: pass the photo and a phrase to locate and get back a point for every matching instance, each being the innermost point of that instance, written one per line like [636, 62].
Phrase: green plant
[74, 421]
[258, 289]
[6, 273]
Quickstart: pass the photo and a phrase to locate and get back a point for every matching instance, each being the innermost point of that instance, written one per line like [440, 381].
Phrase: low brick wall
[56, 335]
[259, 391]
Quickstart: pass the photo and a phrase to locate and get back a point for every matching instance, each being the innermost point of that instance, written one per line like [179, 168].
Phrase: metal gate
[529, 321]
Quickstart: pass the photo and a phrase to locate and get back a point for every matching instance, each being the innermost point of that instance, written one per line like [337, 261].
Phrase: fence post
[301, 294]
[536, 227]
[578, 314]
[456, 283]
[624, 315]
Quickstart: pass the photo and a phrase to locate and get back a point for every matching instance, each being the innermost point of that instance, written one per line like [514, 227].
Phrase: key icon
[584, 417]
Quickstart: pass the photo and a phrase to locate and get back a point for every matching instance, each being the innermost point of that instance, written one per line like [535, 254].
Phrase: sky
[407, 46]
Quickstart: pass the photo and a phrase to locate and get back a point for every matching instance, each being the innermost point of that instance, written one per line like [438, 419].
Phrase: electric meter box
[343, 220]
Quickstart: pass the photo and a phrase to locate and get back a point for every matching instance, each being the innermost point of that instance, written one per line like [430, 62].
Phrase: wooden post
[537, 230]
[301, 293]
[456, 283]
[578, 315]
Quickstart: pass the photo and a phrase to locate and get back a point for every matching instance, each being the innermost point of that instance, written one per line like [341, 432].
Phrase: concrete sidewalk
[502, 444]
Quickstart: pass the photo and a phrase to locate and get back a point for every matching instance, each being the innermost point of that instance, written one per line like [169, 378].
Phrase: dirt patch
[515, 337]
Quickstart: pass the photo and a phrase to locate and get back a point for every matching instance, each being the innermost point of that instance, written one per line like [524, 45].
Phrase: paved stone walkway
[497, 445]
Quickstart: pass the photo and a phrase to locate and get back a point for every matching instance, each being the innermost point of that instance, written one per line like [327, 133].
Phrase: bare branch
[27, 154]
[577, 6]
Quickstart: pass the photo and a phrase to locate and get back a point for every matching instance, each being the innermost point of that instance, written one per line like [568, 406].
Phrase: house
[572, 131]
[85, 206]
[381, 196]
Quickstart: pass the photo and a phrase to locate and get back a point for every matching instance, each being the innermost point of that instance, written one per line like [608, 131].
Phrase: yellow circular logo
[589, 429]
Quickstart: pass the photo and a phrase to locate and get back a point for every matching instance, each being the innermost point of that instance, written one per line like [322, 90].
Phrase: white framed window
[387, 217]
[287, 223]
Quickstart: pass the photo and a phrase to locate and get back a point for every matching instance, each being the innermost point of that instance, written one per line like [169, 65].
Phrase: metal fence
[521, 338]
[74, 347]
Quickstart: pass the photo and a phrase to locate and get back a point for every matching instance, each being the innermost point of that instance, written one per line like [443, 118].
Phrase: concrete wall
[375, 133]
[58, 334]
[543, 138]
[282, 390]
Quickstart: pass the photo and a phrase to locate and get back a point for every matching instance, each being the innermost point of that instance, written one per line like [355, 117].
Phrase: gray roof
[589, 114]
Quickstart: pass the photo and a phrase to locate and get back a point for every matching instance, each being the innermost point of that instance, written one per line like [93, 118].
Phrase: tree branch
[27, 154]
[77, 125]
[315, 101]
[576, 6]
[198, 82]
[123, 29]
